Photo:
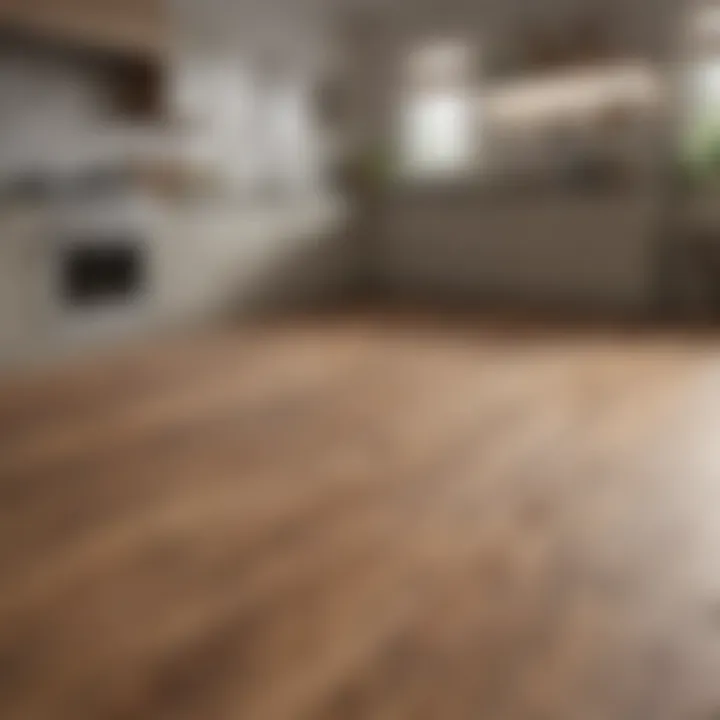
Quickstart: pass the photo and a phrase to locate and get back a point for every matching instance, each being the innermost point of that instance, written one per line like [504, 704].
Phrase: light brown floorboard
[365, 517]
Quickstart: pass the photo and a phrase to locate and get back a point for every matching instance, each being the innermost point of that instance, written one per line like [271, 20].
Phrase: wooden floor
[365, 517]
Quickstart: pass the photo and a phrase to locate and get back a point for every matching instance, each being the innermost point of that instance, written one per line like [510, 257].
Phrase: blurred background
[162, 163]
[359, 360]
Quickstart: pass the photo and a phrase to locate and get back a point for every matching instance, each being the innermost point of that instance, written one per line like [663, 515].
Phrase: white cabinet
[23, 288]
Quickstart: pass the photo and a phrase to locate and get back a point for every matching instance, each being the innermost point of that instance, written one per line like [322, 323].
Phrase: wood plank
[365, 516]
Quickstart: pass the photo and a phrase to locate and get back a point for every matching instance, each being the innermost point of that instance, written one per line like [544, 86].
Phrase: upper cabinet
[126, 25]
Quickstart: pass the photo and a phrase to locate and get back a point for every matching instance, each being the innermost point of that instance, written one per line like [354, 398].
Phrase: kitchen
[124, 167]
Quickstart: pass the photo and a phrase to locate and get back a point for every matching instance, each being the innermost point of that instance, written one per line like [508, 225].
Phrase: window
[702, 143]
[437, 124]
[706, 88]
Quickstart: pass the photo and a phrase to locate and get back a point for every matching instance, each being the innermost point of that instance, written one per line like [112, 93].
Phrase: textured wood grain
[365, 517]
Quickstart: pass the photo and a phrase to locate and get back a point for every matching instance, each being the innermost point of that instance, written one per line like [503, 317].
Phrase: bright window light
[438, 115]
[437, 134]
[707, 86]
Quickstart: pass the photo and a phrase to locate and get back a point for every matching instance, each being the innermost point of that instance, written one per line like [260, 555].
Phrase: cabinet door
[25, 290]
[13, 310]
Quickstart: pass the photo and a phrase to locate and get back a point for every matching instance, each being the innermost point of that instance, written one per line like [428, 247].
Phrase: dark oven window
[107, 272]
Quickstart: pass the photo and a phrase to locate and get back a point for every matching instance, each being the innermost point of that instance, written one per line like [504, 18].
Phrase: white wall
[242, 81]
